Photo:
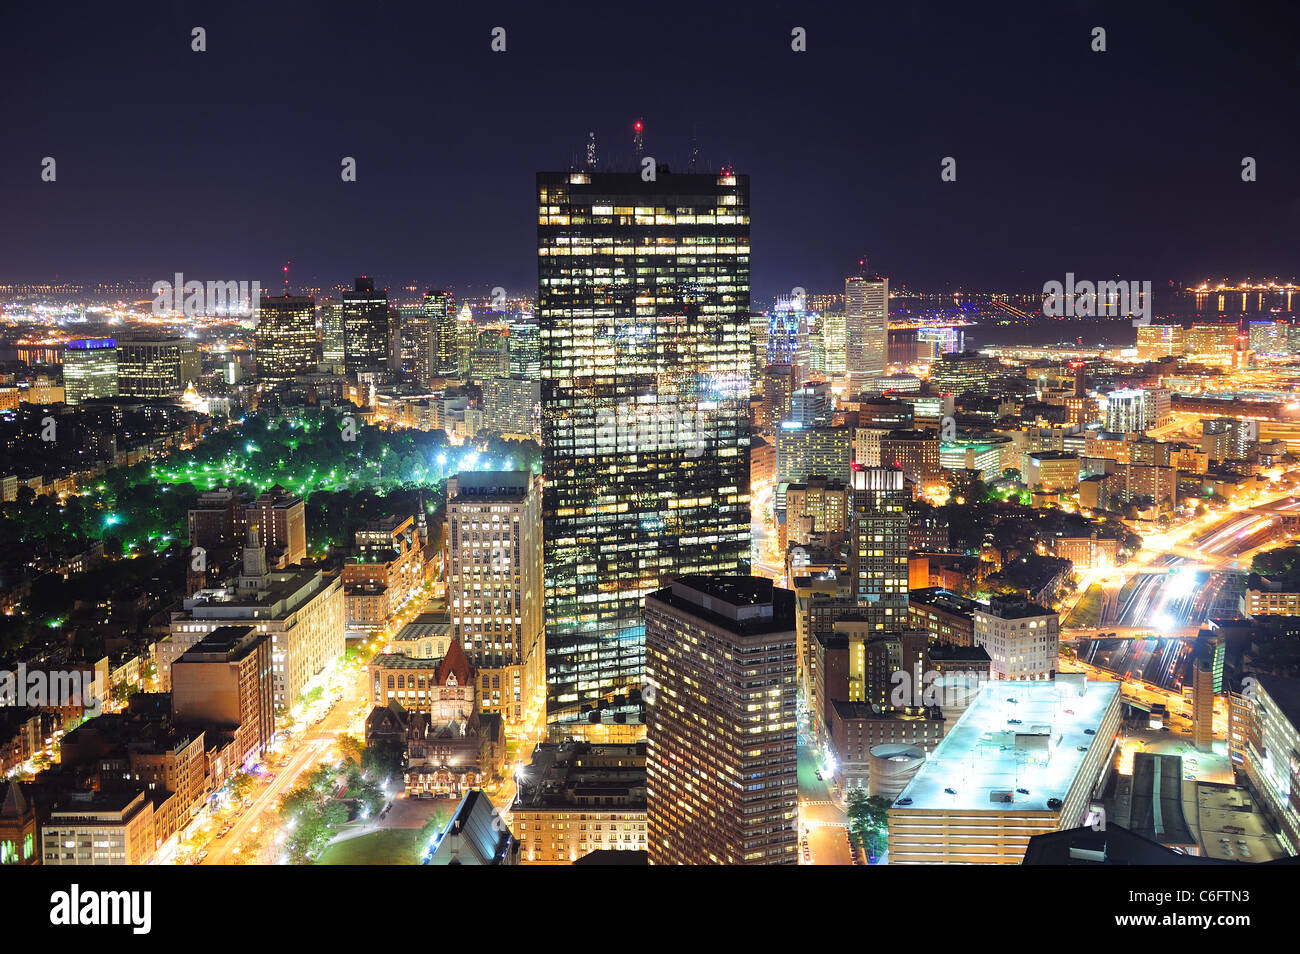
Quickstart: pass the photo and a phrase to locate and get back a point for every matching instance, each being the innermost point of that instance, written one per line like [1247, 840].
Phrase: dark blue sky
[226, 163]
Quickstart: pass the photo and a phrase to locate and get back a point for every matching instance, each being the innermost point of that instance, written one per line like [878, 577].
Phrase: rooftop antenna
[695, 152]
[638, 129]
[591, 152]
[286, 278]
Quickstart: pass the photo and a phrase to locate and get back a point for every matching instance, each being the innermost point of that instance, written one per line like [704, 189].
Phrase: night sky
[226, 163]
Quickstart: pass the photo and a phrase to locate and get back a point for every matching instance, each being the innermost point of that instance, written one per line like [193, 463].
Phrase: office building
[285, 340]
[512, 407]
[89, 369]
[946, 616]
[878, 555]
[645, 389]
[721, 761]
[1021, 638]
[914, 452]
[99, 828]
[156, 368]
[281, 521]
[368, 329]
[964, 371]
[1264, 735]
[302, 609]
[525, 350]
[1159, 341]
[1211, 344]
[495, 593]
[333, 345]
[866, 323]
[224, 682]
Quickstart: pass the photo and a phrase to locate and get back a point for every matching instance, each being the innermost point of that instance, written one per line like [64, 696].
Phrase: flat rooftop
[744, 605]
[987, 752]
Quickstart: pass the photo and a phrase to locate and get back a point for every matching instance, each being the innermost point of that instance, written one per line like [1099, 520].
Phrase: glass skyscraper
[285, 339]
[89, 369]
[866, 320]
[643, 311]
[441, 313]
[367, 328]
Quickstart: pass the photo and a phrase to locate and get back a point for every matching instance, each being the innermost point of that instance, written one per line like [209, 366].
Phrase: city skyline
[651, 437]
[1137, 196]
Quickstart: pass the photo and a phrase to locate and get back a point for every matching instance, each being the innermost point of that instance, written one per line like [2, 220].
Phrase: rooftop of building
[1015, 735]
[1285, 693]
[947, 652]
[85, 802]
[612, 856]
[859, 711]
[289, 587]
[744, 605]
[1053, 455]
[936, 597]
[561, 775]
[1156, 800]
[224, 642]
[1113, 846]
[506, 485]
[475, 834]
[1012, 607]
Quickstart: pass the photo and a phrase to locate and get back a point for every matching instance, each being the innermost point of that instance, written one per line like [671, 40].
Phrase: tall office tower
[494, 588]
[1159, 341]
[866, 325]
[721, 759]
[778, 387]
[417, 350]
[366, 343]
[333, 350]
[441, 311]
[783, 327]
[1267, 337]
[156, 367]
[490, 357]
[1211, 344]
[466, 338]
[757, 351]
[285, 339]
[1082, 409]
[525, 349]
[643, 306]
[878, 557]
[1126, 411]
[834, 331]
[89, 369]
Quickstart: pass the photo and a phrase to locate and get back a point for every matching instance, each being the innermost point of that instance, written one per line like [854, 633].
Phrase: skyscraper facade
[525, 349]
[494, 587]
[156, 367]
[643, 310]
[366, 339]
[285, 339]
[89, 369]
[878, 558]
[441, 313]
[866, 326]
[721, 758]
[333, 349]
